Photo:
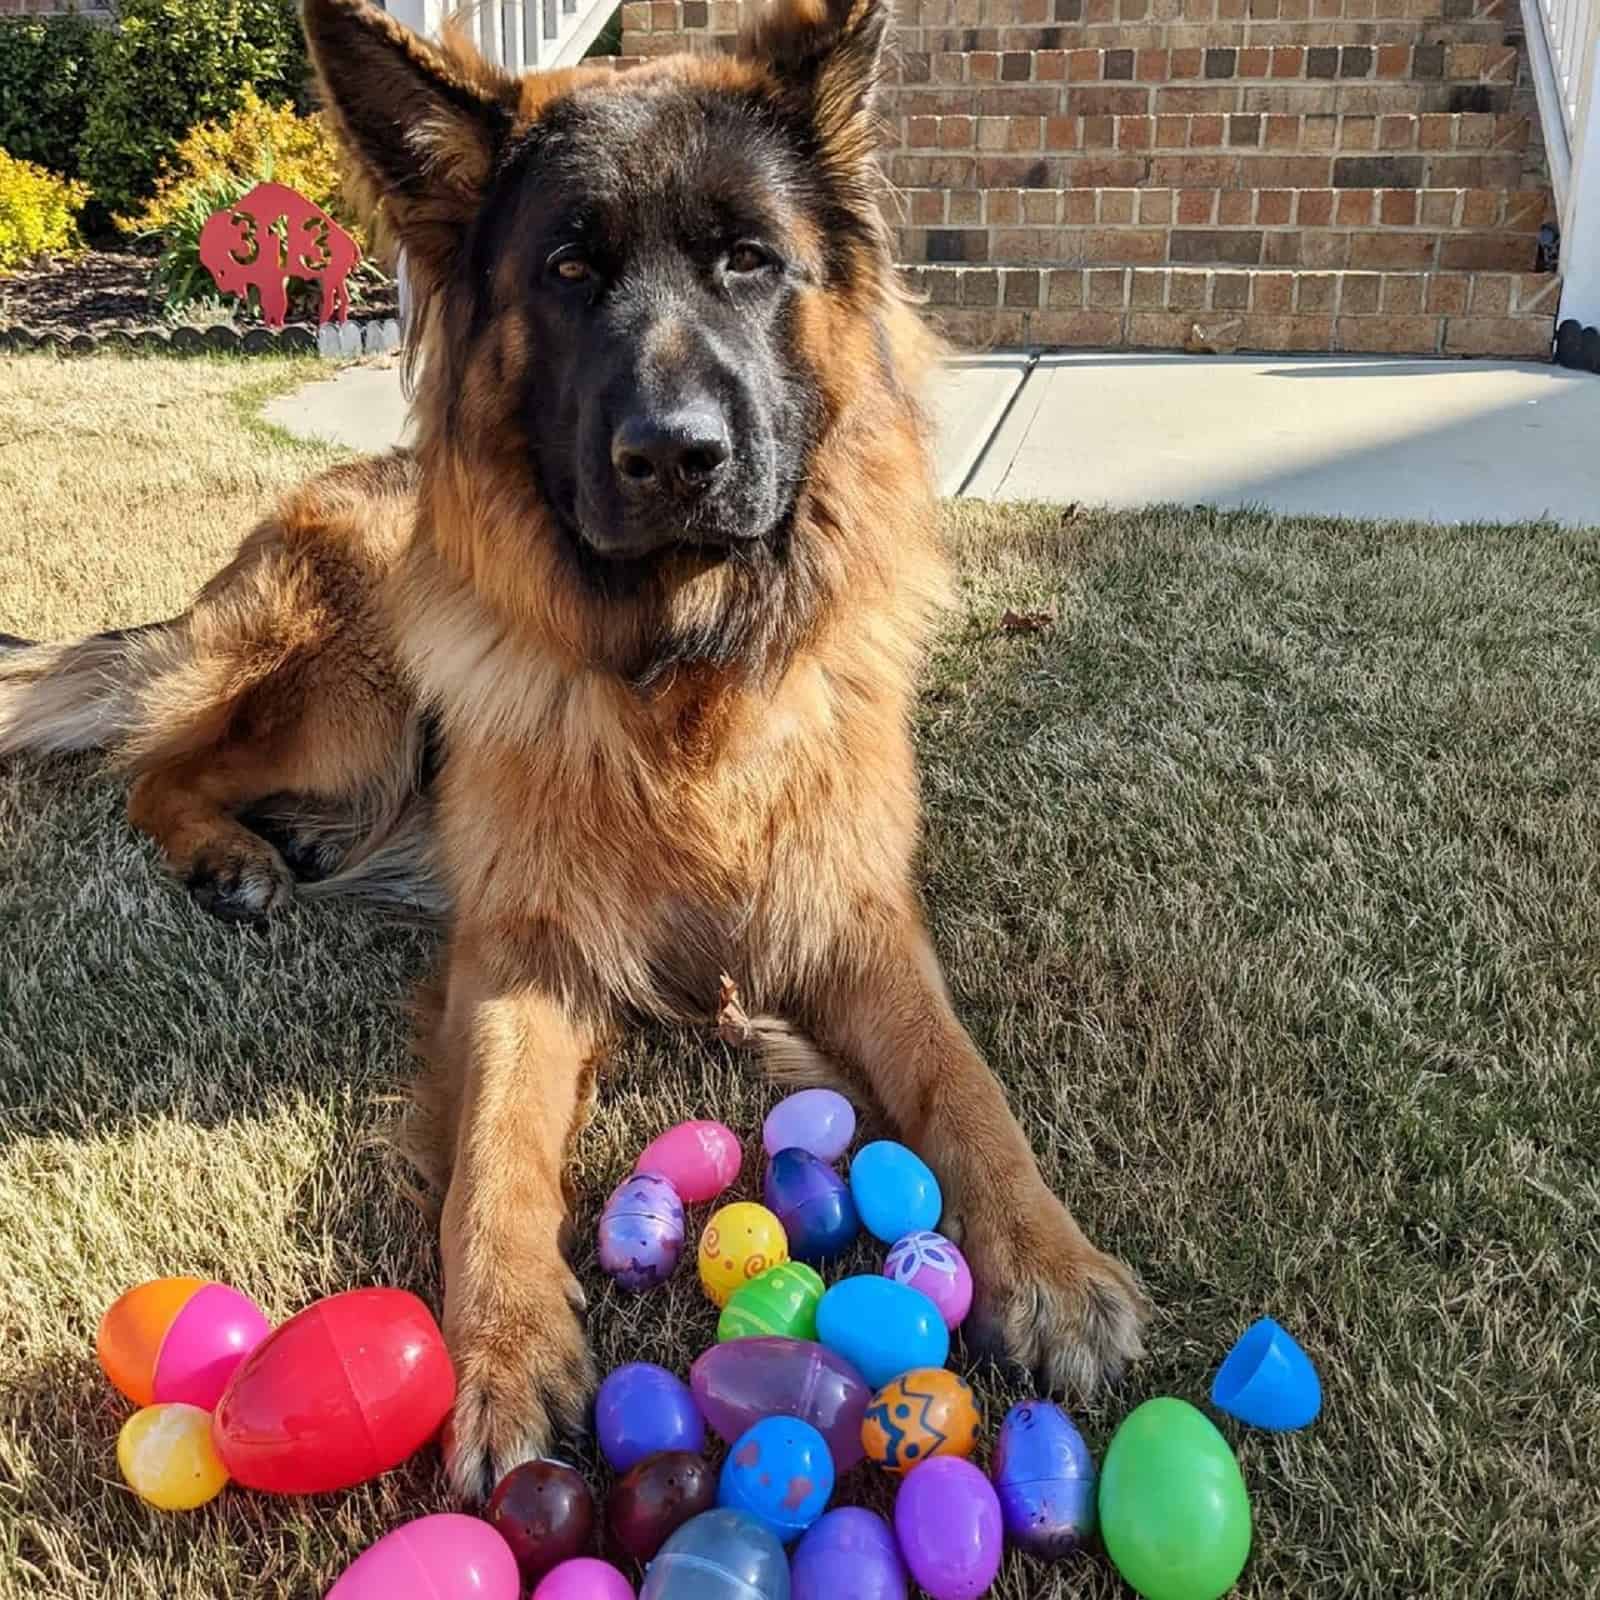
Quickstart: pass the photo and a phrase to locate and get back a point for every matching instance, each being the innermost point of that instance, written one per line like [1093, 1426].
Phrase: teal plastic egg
[882, 1328]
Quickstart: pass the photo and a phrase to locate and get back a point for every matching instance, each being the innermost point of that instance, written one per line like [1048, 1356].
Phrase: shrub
[169, 64]
[38, 213]
[47, 69]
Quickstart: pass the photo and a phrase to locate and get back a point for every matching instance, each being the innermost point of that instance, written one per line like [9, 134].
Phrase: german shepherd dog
[623, 652]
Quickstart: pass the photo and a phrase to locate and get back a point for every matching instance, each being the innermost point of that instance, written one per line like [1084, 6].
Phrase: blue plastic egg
[848, 1553]
[719, 1555]
[641, 1410]
[813, 1203]
[895, 1191]
[1045, 1478]
[780, 1473]
[882, 1328]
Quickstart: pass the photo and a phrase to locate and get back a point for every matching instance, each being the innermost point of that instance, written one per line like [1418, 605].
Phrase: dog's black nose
[679, 453]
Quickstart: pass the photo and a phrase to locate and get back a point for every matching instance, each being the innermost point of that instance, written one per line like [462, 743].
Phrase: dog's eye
[746, 257]
[573, 269]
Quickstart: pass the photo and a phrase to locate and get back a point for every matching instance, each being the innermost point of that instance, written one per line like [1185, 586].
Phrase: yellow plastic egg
[166, 1455]
[929, 1412]
[740, 1243]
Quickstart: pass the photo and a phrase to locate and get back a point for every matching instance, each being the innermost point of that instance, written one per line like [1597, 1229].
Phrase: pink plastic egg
[217, 1328]
[444, 1555]
[930, 1263]
[699, 1159]
[583, 1579]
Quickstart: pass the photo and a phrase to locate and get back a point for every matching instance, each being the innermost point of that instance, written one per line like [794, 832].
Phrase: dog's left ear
[829, 53]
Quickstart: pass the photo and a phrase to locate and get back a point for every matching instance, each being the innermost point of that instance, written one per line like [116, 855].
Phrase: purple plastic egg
[738, 1383]
[848, 1552]
[948, 1522]
[815, 1120]
[929, 1262]
[583, 1579]
[1045, 1479]
[641, 1232]
[641, 1410]
[813, 1203]
[699, 1159]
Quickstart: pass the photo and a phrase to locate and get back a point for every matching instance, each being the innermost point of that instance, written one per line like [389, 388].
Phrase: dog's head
[648, 294]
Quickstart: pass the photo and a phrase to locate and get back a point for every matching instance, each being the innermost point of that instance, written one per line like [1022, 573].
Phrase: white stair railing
[520, 35]
[1564, 50]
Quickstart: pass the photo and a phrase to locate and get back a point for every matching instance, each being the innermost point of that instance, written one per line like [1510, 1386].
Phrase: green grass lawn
[1268, 876]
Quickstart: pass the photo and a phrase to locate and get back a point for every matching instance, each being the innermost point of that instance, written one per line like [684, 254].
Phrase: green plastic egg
[1173, 1509]
[781, 1302]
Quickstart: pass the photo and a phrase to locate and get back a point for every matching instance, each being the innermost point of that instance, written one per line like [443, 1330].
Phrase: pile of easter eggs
[807, 1381]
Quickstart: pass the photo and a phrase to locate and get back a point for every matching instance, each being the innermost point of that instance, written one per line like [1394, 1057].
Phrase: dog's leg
[1044, 1294]
[520, 1065]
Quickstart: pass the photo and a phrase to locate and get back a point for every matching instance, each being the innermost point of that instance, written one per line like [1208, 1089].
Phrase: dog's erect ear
[830, 52]
[423, 122]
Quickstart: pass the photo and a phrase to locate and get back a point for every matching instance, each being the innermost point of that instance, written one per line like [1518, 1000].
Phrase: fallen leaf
[1026, 621]
[733, 1023]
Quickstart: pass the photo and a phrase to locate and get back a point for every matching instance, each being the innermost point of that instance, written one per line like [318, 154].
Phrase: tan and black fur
[630, 739]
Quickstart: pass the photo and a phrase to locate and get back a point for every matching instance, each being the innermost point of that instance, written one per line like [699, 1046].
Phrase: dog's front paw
[239, 879]
[1046, 1298]
[523, 1374]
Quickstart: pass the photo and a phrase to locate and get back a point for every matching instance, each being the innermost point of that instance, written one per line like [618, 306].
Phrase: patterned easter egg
[781, 1302]
[780, 1473]
[929, 1262]
[1045, 1479]
[699, 1159]
[741, 1242]
[641, 1232]
[929, 1412]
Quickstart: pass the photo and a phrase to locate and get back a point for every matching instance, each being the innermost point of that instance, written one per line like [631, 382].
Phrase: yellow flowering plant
[38, 213]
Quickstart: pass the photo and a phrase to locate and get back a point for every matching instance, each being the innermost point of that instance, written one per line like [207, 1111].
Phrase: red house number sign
[271, 235]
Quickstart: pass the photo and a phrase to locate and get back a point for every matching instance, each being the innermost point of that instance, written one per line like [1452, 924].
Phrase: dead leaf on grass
[1026, 621]
[733, 1022]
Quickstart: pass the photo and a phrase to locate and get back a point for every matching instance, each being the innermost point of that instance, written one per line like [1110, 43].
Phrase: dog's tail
[80, 695]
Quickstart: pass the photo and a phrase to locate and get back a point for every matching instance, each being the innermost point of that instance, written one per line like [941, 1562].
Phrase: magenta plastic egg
[817, 1120]
[738, 1383]
[444, 1555]
[947, 1520]
[929, 1262]
[699, 1159]
[642, 1409]
[583, 1579]
[216, 1329]
[641, 1232]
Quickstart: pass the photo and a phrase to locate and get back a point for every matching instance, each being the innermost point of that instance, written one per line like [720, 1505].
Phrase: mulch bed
[108, 290]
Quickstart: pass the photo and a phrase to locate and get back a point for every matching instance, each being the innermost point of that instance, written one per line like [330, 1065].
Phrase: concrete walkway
[1446, 441]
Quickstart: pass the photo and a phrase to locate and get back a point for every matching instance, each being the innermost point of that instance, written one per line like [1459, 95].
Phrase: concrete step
[1222, 309]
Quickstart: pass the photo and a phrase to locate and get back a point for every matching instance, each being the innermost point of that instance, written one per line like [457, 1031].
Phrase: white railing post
[1580, 216]
[520, 34]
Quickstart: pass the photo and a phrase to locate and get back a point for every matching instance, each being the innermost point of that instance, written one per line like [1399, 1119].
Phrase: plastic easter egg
[930, 1263]
[895, 1191]
[948, 1523]
[739, 1383]
[641, 1410]
[929, 1412]
[780, 1473]
[654, 1499]
[699, 1159]
[544, 1512]
[782, 1302]
[641, 1232]
[441, 1555]
[1045, 1479]
[848, 1554]
[342, 1392]
[882, 1328]
[741, 1242]
[178, 1339]
[584, 1579]
[166, 1456]
[817, 1120]
[813, 1203]
[1174, 1514]
[719, 1555]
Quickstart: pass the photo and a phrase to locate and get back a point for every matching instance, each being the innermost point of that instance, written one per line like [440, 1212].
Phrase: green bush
[47, 75]
[169, 64]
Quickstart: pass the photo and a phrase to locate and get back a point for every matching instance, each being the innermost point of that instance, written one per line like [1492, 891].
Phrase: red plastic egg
[342, 1392]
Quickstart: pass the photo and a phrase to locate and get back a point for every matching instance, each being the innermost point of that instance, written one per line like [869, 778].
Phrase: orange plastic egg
[132, 1330]
[926, 1412]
